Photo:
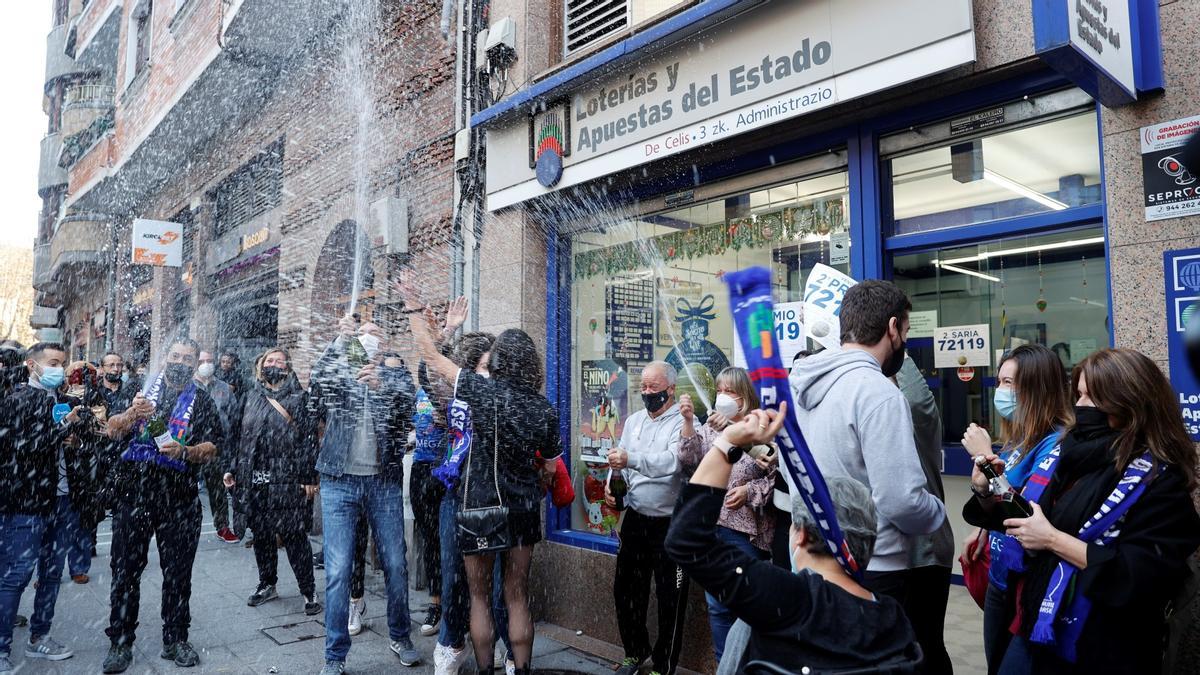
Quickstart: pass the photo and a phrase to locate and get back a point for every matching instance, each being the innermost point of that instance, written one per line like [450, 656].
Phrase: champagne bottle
[1011, 503]
[618, 488]
[157, 429]
[355, 353]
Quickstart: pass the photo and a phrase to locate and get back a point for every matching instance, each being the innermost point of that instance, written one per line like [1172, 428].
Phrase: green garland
[820, 217]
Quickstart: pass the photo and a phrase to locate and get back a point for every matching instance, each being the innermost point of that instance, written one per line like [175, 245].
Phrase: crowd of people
[1077, 579]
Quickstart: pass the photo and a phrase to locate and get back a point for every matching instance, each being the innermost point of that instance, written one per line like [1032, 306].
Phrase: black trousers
[426, 495]
[923, 592]
[299, 554]
[172, 516]
[640, 558]
[218, 498]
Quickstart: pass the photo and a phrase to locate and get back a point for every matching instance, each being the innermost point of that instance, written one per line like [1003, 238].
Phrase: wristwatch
[732, 452]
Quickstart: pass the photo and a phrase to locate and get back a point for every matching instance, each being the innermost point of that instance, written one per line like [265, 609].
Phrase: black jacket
[29, 446]
[797, 620]
[285, 451]
[1128, 582]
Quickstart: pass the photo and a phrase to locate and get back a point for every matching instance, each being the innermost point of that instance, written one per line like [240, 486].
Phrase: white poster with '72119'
[959, 346]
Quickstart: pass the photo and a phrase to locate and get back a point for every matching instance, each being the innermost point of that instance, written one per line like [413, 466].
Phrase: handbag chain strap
[495, 455]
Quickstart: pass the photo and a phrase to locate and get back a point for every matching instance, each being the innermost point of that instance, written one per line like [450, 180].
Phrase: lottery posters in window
[603, 409]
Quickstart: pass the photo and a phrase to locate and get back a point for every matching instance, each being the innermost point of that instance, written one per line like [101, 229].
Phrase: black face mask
[178, 374]
[1090, 418]
[655, 402]
[894, 362]
[112, 377]
[273, 374]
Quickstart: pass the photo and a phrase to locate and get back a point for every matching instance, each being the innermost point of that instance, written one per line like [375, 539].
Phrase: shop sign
[769, 64]
[966, 373]
[1169, 188]
[630, 309]
[839, 248]
[157, 243]
[961, 346]
[977, 122]
[1182, 272]
[681, 198]
[922, 324]
[256, 238]
[823, 305]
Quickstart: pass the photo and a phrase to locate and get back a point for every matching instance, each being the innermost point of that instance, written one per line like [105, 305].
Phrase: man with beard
[859, 425]
[112, 380]
[170, 428]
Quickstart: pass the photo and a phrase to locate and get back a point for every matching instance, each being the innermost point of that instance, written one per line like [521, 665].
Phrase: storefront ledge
[589, 645]
[654, 38]
[584, 540]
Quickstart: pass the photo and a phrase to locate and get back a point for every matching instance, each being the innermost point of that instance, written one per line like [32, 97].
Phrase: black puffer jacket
[275, 457]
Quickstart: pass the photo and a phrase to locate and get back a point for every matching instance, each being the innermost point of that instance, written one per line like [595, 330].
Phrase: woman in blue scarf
[1107, 545]
[1031, 398]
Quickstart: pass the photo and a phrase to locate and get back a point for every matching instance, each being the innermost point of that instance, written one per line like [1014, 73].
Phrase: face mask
[124, 377]
[178, 374]
[51, 376]
[726, 405]
[655, 402]
[206, 370]
[1006, 402]
[893, 363]
[370, 344]
[1089, 418]
[114, 377]
[792, 559]
[273, 374]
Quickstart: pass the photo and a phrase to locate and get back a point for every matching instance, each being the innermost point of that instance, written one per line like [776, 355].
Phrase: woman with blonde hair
[1108, 540]
[1031, 400]
[746, 519]
[274, 469]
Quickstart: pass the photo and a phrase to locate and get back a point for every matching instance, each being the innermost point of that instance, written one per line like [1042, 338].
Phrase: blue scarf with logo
[1059, 626]
[754, 319]
[1007, 553]
[143, 448]
[458, 422]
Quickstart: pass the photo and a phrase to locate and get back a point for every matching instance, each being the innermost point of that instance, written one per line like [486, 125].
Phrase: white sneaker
[447, 660]
[510, 667]
[47, 648]
[357, 609]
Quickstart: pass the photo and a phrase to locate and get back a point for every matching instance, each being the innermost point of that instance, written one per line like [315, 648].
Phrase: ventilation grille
[589, 21]
[254, 188]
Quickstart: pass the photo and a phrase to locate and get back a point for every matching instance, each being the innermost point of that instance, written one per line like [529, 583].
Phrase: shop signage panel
[1109, 48]
[823, 294]
[1182, 272]
[977, 122]
[962, 346]
[630, 309]
[771, 63]
[922, 324]
[1169, 188]
[839, 248]
[157, 243]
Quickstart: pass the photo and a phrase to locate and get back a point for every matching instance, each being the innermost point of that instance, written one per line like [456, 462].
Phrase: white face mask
[206, 370]
[726, 405]
[370, 344]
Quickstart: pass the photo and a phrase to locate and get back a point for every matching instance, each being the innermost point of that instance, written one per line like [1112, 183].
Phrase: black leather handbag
[484, 529]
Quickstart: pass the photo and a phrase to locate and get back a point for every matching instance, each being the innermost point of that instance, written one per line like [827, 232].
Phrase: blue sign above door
[1182, 271]
[1109, 48]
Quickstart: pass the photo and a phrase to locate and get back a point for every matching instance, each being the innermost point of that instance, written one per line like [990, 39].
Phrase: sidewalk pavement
[277, 638]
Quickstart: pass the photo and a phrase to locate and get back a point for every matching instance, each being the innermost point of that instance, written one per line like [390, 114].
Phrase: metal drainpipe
[110, 318]
[462, 113]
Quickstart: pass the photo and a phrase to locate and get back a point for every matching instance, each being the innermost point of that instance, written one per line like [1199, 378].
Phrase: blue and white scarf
[1060, 627]
[1007, 554]
[143, 448]
[754, 319]
[458, 423]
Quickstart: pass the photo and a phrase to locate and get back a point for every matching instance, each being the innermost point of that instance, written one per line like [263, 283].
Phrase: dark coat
[287, 450]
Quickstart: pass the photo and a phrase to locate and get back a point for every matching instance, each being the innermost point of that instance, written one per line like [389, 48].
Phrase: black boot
[490, 670]
[528, 670]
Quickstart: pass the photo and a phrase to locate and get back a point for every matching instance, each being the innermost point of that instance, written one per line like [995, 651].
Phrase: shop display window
[649, 288]
[1046, 166]
[1050, 290]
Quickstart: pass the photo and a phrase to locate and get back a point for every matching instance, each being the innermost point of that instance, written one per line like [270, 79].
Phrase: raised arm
[424, 328]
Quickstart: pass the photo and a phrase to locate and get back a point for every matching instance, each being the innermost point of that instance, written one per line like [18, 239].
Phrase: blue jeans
[997, 617]
[77, 542]
[456, 599]
[26, 542]
[344, 500]
[720, 619]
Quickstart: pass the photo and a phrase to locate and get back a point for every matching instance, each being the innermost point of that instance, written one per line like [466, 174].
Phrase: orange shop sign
[157, 243]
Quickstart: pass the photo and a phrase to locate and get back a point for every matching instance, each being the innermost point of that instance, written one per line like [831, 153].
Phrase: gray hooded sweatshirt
[857, 424]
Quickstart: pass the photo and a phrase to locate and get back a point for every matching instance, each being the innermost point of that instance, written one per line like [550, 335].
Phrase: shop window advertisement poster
[603, 409]
[630, 309]
[1171, 190]
[823, 304]
[962, 346]
[1182, 273]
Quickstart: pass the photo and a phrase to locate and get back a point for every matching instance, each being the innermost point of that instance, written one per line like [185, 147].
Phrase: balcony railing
[88, 96]
[77, 145]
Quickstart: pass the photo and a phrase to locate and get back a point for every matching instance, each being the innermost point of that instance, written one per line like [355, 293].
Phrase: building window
[254, 188]
[1049, 289]
[650, 288]
[141, 25]
[1046, 165]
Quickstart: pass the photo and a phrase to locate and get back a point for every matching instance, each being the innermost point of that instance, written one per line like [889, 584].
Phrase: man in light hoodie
[858, 424]
[648, 457]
